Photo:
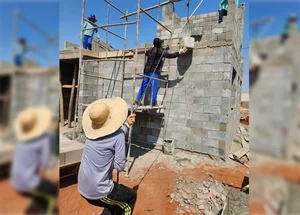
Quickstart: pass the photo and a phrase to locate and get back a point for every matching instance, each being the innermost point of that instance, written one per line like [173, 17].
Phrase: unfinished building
[199, 95]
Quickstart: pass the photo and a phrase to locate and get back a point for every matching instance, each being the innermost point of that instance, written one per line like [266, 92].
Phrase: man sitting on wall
[152, 68]
[88, 35]
[223, 8]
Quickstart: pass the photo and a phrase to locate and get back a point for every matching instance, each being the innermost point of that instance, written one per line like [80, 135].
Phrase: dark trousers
[283, 38]
[44, 195]
[120, 201]
[222, 13]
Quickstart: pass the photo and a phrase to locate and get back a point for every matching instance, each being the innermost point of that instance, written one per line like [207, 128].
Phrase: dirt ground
[155, 174]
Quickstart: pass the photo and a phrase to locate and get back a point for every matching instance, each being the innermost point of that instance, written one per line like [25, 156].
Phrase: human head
[293, 18]
[158, 42]
[92, 18]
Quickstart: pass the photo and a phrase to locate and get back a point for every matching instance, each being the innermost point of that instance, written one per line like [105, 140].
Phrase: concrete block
[210, 142]
[224, 119]
[226, 93]
[217, 30]
[215, 59]
[200, 132]
[194, 123]
[223, 127]
[222, 50]
[220, 84]
[229, 35]
[215, 101]
[201, 101]
[211, 126]
[184, 130]
[179, 136]
[179, 121]
[212, 92]
[200, 116]
[199, 60]
[180, 91]
[204, 68]
[179, 106]
[189, 99]
[212, 109]
[227, 76]
[222, 67]
[196, 76]
[188, 41]
[179, 114]
[200, 84]
[195, 140]
[217, 135]
[214, 76]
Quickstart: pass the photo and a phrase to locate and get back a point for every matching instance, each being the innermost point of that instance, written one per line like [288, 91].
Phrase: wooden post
[72, 96]
[107, 21]
[134, 80]
[124, 64]
[61, 101]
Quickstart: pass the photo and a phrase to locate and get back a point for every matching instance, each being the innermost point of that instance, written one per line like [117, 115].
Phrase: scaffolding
[35, 49]
[110, 57]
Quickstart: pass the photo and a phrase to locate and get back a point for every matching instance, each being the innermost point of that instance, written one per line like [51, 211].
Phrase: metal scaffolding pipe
[152, 78]
[111, 25]
[156, 20]
[193, 13]
[114, 7]
[108, 31]
[151, 8]
[34, 26]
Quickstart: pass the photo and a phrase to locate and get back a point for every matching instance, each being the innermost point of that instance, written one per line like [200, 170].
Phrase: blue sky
[44, 15]
[70, 18]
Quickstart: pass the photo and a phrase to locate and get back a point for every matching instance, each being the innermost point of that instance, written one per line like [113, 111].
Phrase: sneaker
[219, 21]
[155, 105]
[138, 103]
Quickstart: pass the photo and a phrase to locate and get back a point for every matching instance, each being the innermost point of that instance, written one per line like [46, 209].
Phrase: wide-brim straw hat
[104, 117]
[32, 123]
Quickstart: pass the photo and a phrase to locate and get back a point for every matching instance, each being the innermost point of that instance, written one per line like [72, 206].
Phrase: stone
[206, 184]
[187, 196]
[201, 207]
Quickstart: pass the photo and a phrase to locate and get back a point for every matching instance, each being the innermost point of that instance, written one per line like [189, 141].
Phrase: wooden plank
[72, 54]
[72, 95]
[240, 153]
[68, 86]
[61, 101]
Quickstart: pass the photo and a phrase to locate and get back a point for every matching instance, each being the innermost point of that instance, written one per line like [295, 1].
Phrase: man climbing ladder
[152, 68]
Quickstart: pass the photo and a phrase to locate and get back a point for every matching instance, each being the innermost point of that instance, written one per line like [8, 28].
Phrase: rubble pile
[206, 198]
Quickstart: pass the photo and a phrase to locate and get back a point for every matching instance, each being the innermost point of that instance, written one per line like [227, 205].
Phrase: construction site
[178, 151]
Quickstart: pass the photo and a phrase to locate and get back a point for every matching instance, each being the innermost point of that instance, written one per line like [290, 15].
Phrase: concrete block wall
[202, 100]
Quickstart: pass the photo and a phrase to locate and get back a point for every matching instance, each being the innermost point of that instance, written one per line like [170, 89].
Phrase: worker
[290, 26]
[152, 69]
[20, 49]
[223, 8]
[30, 173]
[88, 35]
[105, 126]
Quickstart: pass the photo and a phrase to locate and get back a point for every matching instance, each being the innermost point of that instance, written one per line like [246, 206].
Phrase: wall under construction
[203, 97]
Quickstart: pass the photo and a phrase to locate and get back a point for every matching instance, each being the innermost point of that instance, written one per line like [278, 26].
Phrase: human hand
[183, 50]
[131, 119]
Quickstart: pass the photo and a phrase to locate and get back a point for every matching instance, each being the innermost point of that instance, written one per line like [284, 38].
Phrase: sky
[44, 15]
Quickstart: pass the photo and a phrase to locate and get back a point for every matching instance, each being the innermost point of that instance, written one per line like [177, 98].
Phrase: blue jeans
[18, 60]
[87, 42]
[153, 87]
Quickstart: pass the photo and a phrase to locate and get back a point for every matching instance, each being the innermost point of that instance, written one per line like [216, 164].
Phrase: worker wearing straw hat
[88, 35]
[290, 26]
[105, 126]
[30, 170]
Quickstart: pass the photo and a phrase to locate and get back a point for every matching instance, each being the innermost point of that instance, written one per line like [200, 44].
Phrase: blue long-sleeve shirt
[28, 159]
[99, 158]
[92, 31]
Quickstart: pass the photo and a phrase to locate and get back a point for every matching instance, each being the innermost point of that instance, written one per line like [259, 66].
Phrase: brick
[189, 99]
[227, 76]
[195, 140]
[222, 50]
[225, 101]
[215, 59]
[194, 123]
[200, 116]
[179, 136]
[200, 84]
[179, 114]
[224, 119]
[223, 127]
[199, 60]
[179, 106]
[180, 91]
[197, 76]
[212, 109]
[217, 135]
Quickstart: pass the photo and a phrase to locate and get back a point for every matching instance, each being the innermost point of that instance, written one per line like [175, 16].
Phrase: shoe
[219, 21]
[138, 103]
[154, 105]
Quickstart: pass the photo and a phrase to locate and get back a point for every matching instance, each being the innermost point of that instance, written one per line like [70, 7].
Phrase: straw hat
[104, 117]
[32, 123]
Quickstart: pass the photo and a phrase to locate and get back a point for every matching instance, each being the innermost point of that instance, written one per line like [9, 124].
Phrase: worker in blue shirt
[20, 49]
[223, 8]
[88, 35]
